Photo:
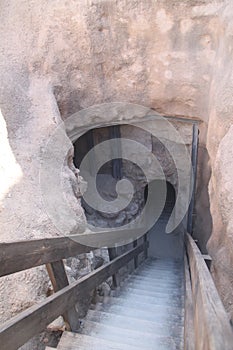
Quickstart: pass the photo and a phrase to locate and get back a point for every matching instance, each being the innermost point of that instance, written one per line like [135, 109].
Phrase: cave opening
[117, 168]
[162, 244]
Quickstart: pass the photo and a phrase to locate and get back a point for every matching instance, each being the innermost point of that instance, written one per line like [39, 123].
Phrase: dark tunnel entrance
[162, 244]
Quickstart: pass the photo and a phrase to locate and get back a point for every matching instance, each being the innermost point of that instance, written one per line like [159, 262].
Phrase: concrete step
[158, 300]
[154, 294]
[161, 269]
[167, 276]
[152, 285]
[127, 322]
[131, 337]
[161, 273]
[166, 297]
[148, 287]
[76, 341]
[154, 279]
[132, 303]
[161, 314]
[162, 264]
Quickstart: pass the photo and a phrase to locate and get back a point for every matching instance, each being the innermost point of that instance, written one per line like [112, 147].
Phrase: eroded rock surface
[220, 145]
[60, 57]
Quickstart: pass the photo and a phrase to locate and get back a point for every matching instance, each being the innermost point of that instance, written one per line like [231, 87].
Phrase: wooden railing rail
[18, 330]
[212, 328]
[22, 255]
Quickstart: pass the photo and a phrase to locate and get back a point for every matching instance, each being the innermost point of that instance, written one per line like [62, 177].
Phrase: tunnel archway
[107, 177]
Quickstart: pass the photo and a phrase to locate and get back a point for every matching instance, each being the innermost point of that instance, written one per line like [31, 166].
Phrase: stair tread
[153, 277]
[140, 304]
[74, 341]
[173, 278]
[127, 322]
[131, 337]
[161, 274]
[161, 266]
[92, 325]
[154, 300]
[145, 286]
[150, 290]
[157, 272]
[158, 316]
[162, 263]
[155, 294]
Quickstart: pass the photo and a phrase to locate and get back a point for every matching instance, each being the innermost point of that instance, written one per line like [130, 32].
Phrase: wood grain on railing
[22, 255]
[34, 320]
[189, 342]
[112, 252]
[59, 280]
[211, 325]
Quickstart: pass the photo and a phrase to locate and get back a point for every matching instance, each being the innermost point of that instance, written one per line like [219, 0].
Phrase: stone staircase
[146, 313]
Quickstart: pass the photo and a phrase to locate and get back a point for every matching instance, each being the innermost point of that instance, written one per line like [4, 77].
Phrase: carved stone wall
[60, 57]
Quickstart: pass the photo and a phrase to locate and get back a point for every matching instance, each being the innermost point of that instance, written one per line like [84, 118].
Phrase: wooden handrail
[17, 331]
[22, 255]
[212, 328]
[189, 343]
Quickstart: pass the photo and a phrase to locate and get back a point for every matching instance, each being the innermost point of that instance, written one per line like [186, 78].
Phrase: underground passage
[142, 277]
[161, 244]
[116, 162]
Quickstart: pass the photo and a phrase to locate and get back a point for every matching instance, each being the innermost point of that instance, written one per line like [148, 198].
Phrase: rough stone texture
[220, 146]
[58, 57]
[135, 173]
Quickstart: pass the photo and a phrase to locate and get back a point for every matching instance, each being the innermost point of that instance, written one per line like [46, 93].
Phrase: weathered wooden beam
[146, 245]
[112, 252]
[135, 243]
[211, 324]
[22, 255]
[34, 320]
[58, 277]
[189, 340]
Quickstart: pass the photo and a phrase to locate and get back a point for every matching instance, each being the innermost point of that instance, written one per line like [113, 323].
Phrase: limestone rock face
[58, 57]
[220, 147]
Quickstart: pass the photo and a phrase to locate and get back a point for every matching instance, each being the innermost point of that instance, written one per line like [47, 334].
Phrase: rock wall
[220, 148]
[58, 57]
[91, 52]
[136, 172]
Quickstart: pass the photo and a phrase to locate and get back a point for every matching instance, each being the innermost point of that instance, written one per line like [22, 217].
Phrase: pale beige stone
[60, 57]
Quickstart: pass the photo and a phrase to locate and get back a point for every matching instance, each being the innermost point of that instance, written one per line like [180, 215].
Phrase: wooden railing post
[212, 329]
[135, 243]
[59, 280]
[115, 278]
[146, 244]
[20, 328]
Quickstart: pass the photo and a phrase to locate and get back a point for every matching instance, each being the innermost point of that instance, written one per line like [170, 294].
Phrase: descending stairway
[147, 313]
